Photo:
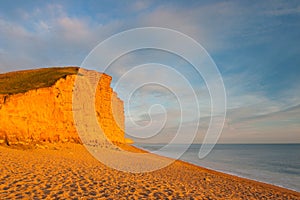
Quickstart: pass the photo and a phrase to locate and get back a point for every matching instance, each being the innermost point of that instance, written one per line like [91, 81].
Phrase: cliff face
[46, 114]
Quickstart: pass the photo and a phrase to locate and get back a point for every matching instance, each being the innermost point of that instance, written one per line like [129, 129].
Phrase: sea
[276, 164]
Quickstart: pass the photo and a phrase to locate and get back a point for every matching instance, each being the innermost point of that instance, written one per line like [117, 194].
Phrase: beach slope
[68, 171]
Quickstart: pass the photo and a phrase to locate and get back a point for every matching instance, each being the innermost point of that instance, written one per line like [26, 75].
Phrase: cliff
[37, 106]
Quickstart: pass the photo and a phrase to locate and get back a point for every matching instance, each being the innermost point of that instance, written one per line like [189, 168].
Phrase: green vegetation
[23, 81]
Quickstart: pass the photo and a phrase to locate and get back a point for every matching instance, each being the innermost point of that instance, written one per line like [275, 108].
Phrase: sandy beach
[68, 171]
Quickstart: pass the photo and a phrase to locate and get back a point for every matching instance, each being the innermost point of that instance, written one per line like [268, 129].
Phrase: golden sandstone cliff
[43, 111]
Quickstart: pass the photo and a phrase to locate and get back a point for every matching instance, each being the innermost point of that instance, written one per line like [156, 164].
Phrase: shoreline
[242, 178]
[232, 173]
[239, 176]
[69, 170]
[235, 176]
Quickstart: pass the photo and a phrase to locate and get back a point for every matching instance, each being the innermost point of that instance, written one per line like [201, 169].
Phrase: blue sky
[255, 45]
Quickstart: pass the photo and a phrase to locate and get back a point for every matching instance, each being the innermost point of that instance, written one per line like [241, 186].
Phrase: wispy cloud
[255, 45]
[48, 37]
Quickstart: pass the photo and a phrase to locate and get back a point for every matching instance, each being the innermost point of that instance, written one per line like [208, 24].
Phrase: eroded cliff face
[46, 114]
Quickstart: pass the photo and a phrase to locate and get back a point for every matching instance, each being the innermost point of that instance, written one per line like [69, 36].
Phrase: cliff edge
[37, 106]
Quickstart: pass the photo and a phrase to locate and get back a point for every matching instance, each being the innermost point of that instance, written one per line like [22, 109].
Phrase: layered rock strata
[46, 114]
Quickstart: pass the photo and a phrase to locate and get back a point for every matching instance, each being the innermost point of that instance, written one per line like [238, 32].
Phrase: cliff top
[23, 81]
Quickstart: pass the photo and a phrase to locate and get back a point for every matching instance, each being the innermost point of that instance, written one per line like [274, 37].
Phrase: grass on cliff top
[23, 81]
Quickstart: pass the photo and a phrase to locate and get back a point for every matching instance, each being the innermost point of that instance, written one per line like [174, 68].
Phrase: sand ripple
[70, 172]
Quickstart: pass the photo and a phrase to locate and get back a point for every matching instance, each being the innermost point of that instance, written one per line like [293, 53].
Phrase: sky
[254, 44]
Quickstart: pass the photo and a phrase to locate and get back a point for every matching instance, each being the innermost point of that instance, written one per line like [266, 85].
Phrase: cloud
[68, 38]
[218, 26]
[48, 37]
[246, 41]
[140, 5]
[74, 30]
[281, 126]
[281, 8]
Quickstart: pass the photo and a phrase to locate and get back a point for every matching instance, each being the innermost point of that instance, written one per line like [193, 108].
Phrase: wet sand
[68, 171]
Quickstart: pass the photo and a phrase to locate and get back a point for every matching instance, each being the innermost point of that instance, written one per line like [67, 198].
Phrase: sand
[68, 171]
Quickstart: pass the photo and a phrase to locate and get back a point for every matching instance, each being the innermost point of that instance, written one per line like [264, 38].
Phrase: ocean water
[277, 164]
